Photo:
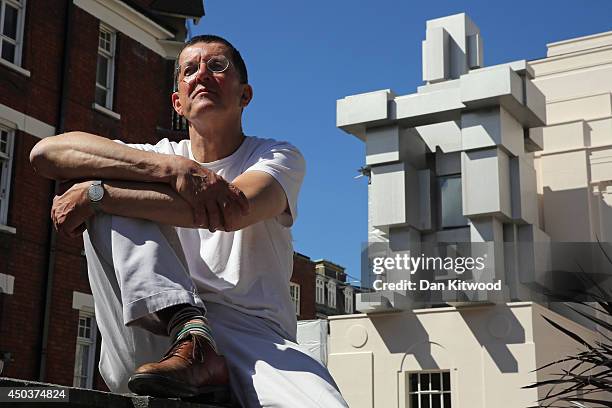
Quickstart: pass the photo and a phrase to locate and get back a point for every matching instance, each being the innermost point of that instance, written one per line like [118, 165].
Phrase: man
[176, 250]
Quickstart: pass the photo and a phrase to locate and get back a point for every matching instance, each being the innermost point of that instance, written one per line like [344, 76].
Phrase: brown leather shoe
[190, 368]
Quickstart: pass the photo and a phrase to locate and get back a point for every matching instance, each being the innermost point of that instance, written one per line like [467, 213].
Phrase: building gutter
[52, 234]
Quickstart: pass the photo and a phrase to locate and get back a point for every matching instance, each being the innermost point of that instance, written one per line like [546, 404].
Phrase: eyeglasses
[189, 70]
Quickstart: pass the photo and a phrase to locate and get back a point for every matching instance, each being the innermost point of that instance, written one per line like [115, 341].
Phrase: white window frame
[331, 294]
[82, 342]
[348, 300]
[294, 292]
[6, 162]
[21, 7]
[320, 290]
[110, 73]
[429, 392]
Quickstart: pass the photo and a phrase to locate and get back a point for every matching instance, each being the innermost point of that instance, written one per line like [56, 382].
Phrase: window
[348, 300]
[106, 67]
[450, 202]
[85, 351]
[429, 390]
[11, 30]
[331, 294]
[6, 152]
[294, 292]
[320, 290]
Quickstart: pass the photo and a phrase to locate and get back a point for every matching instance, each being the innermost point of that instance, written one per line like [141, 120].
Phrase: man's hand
[71, 209]
[216, 202]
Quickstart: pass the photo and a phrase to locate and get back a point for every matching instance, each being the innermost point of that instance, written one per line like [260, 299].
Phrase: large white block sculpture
[452, 46]
[492, 127]
[485, 176]
[452, 162]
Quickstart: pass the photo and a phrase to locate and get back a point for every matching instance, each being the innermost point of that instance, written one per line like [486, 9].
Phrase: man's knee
[102, 226]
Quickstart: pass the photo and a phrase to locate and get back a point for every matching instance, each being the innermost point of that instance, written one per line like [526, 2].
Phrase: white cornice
[20, 121]
[579, 43]
[7, 283]
[130, 22]
[171, 48]
[82, 301]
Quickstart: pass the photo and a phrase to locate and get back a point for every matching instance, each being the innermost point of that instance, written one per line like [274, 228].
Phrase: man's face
[201, 91]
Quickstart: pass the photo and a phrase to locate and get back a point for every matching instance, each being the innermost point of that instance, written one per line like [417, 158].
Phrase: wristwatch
[96, 194]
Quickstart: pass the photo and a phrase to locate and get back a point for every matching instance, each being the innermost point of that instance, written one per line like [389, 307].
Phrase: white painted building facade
[498, 174]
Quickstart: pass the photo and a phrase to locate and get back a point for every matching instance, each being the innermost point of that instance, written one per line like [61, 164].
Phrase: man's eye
[216, 66]
[189, 70]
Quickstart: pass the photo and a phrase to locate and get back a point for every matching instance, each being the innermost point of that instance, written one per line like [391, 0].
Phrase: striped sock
[190, 320]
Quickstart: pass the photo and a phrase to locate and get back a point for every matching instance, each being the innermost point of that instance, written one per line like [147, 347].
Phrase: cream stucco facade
[538, 135]
[574, 170]
[490, 352]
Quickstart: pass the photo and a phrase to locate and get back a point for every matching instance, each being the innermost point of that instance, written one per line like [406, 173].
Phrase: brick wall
[143, 81]
[304, 275]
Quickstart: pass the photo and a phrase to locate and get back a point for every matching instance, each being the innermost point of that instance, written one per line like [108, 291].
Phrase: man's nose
[203, 71]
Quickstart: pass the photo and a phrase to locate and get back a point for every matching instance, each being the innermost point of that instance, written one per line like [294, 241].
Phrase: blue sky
[303, 56]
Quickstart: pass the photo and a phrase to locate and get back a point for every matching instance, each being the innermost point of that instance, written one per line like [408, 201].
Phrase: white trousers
[136, 268]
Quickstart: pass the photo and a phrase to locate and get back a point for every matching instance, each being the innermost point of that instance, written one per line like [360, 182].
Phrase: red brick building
[319, 288]
[302, 287]
[102, 66]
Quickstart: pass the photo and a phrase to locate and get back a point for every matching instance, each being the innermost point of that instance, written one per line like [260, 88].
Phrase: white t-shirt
[248, 269]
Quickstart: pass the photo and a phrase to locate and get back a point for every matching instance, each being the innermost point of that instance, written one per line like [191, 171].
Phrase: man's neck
[210, 144]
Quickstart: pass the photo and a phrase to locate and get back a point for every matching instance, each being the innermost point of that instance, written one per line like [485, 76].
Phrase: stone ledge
[82, 398]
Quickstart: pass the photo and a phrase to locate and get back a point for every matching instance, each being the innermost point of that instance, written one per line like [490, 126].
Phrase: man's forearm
[151, 201]
[80, 155]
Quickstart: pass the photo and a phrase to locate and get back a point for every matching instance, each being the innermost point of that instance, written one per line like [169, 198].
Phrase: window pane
[3, 142]
[101, 96]
[10, 22]
[102, 71]
[8, 51]
[105, 41]
[435, 382]
[425, 401]
[77, 360]
[414, 382]
[424, 382]
[414, 401]
[447, 401]
[450, 201]
[446, 381]
[436, 401]
[84, 360]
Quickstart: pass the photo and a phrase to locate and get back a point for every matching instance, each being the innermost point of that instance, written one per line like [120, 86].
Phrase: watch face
[96, 192]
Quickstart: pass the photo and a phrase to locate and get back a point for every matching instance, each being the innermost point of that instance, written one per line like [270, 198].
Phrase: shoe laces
[197, 351]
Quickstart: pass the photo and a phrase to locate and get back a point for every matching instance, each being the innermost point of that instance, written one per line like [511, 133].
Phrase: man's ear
[247, 95]
[176, 103]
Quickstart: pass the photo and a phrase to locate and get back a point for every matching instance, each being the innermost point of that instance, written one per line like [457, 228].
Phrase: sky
[302, 56]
